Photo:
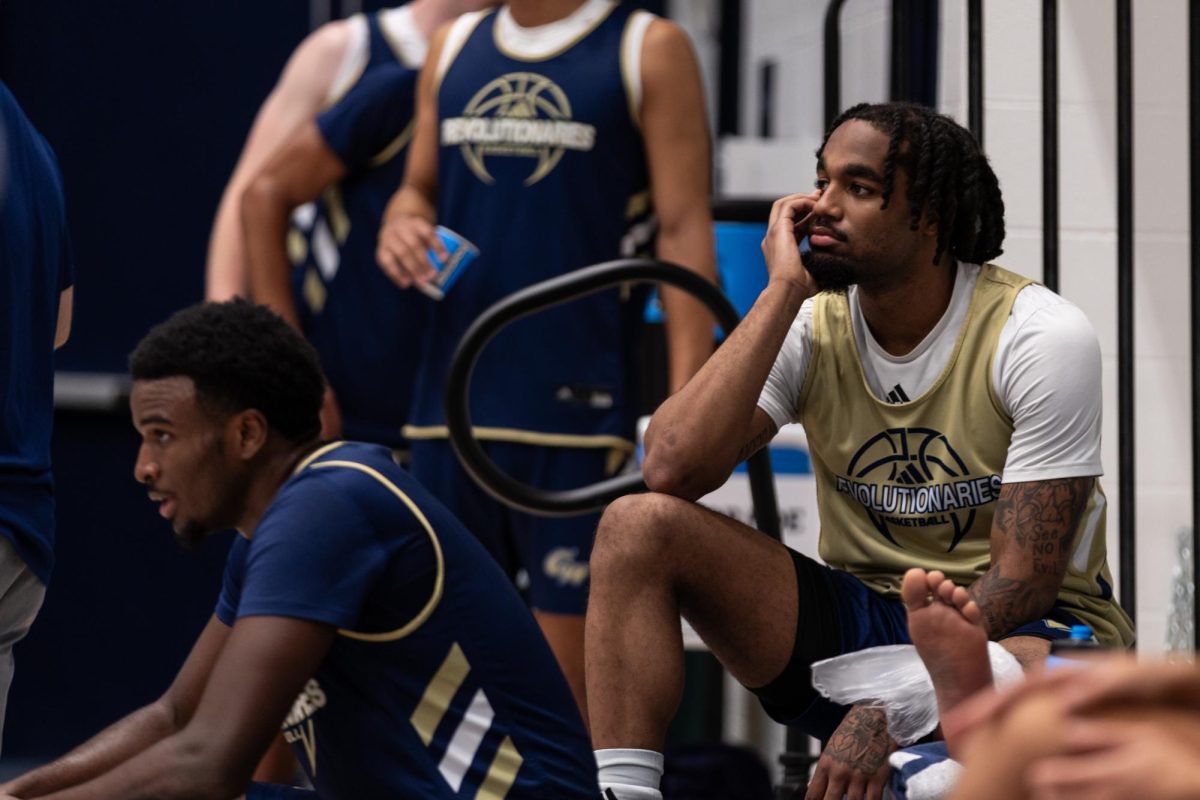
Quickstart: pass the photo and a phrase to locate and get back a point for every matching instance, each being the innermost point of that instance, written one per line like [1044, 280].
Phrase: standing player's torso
[365, 328]
[540, 159]
[35, 268]
[541, 165]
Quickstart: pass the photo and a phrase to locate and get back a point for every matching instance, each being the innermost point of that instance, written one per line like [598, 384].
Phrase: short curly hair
[239, 356]
[948, 176]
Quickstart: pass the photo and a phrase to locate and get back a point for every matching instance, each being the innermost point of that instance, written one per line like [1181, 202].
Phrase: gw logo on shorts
[523, 115]
[563, 566]
[913, 477]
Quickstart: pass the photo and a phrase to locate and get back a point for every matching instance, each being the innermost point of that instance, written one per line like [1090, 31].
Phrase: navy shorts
[553, 551]
[840, 614]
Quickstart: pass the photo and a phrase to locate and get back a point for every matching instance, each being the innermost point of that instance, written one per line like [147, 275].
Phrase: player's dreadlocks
[948, 177]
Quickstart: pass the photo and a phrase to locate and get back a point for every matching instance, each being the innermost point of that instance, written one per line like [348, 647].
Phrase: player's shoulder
[317, 69]
[348, 481]
[350, 459]
[450, 37]
[1040, 310]
[661, 37]
[330, 42]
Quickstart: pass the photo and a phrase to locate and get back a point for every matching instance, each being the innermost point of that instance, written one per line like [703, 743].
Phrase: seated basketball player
[356, 612]
[953, 414]
[1110, 728]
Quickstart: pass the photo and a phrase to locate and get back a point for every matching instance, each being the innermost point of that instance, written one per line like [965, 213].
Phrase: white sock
[631, 774]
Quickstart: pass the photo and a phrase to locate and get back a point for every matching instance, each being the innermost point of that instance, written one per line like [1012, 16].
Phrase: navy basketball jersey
[365, 329]
[35, 267]
[439, 683]
[376, 39]
[382, 46]
[541, 165]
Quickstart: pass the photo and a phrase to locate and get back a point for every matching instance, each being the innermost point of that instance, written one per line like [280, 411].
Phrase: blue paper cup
[460, 254]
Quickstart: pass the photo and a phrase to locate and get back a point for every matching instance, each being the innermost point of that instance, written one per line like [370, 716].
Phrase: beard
[830, 272]
[191, 535]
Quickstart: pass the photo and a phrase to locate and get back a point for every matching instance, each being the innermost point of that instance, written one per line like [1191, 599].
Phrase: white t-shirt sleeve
[1047, 374]
[781, 393]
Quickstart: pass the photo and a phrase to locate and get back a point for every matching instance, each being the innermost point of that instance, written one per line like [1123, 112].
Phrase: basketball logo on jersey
[518, 115]
[914, 478]
[299, 727]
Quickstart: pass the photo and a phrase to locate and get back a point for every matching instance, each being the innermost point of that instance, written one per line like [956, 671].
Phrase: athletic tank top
[541, 165]
[915, 483]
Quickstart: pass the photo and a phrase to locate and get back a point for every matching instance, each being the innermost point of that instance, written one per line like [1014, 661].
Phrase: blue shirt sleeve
[66, 254]
[371, 116]
[231, 584]
[66, 275]
[316, 553]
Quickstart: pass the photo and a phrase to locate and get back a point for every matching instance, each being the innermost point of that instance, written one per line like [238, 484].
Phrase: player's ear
[249, 430]
[929, 224]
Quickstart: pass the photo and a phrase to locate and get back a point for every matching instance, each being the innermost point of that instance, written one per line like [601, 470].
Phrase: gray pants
[21, 595]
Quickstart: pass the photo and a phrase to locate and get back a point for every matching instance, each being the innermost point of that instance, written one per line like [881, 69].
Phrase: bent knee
[638, 527]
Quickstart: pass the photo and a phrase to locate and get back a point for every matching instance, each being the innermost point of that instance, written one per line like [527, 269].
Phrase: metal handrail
[975, 69]
[553, 292]
[1194, 149]
[833, 60]
[900, 79]
[1126, 443]
[1050, 144]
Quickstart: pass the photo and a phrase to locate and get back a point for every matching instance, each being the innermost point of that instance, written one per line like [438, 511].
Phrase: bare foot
[943, 622]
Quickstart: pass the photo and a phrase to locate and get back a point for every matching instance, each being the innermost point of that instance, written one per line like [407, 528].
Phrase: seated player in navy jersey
[356, 612]
[319, 101]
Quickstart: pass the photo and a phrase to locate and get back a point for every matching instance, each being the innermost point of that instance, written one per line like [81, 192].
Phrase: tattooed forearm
[1033, 533]
[754, 445]
[861, 742]
[1042, 516]
[1008, 603]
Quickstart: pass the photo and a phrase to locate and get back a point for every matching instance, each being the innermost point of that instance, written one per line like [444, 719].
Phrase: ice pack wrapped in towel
[893, 677]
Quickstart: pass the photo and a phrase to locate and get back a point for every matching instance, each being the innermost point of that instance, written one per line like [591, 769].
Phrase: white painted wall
[790, 31]
[701, 20]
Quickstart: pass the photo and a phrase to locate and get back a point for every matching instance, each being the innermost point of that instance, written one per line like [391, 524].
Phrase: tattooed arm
[700, 433]
[854, 763]
[1033, 533]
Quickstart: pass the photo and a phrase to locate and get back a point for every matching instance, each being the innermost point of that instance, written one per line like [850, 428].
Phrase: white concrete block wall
[790, 32]
[701, 21]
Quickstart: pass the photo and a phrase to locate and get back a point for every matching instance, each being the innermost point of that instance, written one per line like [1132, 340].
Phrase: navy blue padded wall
[124, 605]
[147, 104]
